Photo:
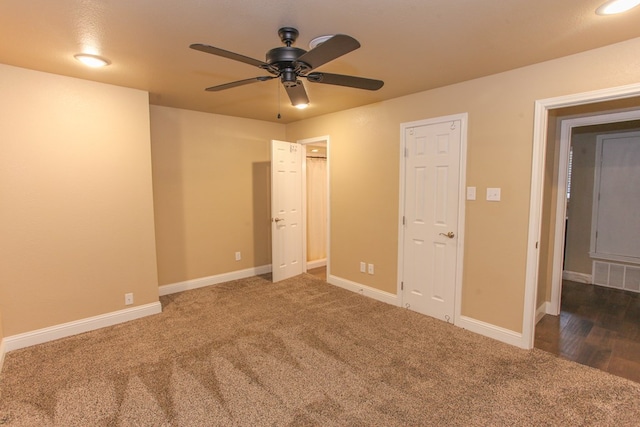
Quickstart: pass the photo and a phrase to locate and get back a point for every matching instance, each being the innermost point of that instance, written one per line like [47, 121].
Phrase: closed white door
[286, 210]
[432, 170]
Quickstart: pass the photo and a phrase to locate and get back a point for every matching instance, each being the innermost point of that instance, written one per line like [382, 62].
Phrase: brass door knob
[450, 235]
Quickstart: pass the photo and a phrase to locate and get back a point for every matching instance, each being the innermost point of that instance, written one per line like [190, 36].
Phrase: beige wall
[579, 207]
[77, 214]
[365, 167]
[211, 192]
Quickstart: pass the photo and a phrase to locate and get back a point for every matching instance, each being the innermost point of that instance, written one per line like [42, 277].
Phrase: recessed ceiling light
[319, 40]
[301, 106]
[89, 60]
[616, 6]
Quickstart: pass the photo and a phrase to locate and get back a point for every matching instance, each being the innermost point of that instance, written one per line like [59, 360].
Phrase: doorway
[582, 133]
[586, 323]
[316, 204]
[544, 259]
[293, 190]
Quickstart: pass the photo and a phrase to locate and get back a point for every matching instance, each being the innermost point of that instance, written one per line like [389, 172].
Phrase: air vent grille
[619, 276]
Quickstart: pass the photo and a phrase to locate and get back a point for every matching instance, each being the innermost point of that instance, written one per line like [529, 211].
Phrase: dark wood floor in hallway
[597, 326]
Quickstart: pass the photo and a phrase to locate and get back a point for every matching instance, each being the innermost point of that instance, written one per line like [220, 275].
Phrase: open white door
[286, 210]
[431, 197]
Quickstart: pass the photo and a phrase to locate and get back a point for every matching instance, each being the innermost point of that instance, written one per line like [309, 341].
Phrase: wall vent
[619, 276]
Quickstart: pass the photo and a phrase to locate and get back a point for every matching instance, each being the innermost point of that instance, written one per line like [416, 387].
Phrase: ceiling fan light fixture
[319, 40]
[93, 61]
[301, 106]
[613, 7]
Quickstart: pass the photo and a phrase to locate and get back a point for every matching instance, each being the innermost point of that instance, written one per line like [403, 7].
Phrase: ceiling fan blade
[333, 48]
[229, 55]
[238, 83]
[342, 80]
[297, 93]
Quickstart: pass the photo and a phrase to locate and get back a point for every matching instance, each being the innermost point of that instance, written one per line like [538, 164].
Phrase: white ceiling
[413, 45]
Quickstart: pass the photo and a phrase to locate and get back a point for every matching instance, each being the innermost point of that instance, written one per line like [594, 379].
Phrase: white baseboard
[488, 330]
[2, 352]
[213, 280]
[51, 333]
[316, 263]
[577, 277]
[545, 308]
[364, 290]
[492, 331]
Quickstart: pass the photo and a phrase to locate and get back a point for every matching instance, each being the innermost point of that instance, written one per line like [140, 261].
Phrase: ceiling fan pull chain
[278, 91]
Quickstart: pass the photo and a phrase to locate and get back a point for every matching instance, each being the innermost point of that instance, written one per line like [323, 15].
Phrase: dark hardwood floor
[597, 326]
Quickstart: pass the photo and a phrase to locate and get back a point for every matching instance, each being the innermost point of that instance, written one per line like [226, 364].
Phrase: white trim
[464, 118]
[492, 331]
[574, 276]
[462, 209]
[537, 176]
[361, 289]
[63, 330]
[617, 258]
[2, 352]
[542, 310]
[316, 263]
[213, 280]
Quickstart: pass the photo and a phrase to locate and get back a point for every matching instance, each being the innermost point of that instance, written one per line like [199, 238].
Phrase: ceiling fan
[289, 64]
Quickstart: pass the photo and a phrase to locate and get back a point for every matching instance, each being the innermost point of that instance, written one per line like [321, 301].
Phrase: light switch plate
[471, 193]
[493, 194]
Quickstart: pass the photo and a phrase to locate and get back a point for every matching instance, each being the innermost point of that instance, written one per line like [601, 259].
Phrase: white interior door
[286, 210]
[431, 198]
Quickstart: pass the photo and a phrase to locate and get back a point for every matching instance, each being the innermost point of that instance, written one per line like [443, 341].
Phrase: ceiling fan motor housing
[284, 63]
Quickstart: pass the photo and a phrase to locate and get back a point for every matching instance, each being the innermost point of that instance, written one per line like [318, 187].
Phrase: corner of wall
[2, 351]
[1, 343]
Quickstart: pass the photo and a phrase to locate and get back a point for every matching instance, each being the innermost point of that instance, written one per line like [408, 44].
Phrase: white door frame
[561, 202]
[304, 142]
[464, 118]
[540, 126]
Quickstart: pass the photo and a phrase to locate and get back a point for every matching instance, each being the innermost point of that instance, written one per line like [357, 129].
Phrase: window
[616, 198]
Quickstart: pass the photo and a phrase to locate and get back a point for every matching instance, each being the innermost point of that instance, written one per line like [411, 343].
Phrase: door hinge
[402, 286]
[536, 245]
[406, 152]
[403, 220]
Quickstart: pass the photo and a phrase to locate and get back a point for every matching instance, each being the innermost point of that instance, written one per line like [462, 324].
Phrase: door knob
[449, 235]
[278, 219]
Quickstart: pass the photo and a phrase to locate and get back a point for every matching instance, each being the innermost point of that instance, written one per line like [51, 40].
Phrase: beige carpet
[300, 352]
